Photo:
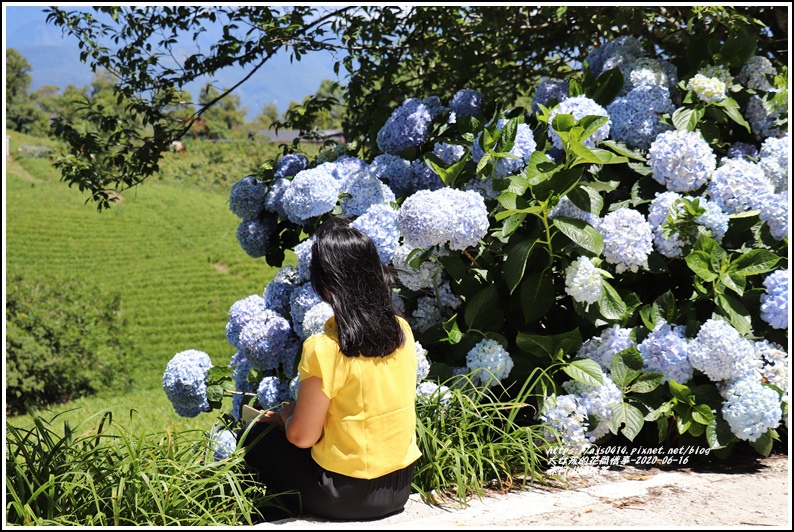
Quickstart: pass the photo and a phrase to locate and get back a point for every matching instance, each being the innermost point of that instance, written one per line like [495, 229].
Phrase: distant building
[286, 136]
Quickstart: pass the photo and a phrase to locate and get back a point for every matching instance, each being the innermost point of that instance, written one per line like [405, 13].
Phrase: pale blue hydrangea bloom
[265, 339]
[312, 192]
[426, 315]
[657, 215]
[301, 300]
[737, 185]
[524, 146]
[303, 255]
[365, 191]
[446, 297]
[274, 199]
[225, 444]
[742, 150]
[584, 282]
[434, 106]
[774, 161]
[270, 393]
[277, 292]
[483, 187]
[651, 72]
[709, 90]
[423, 177]
[448, 153]
[290, 165]
[566, 209]
[422, 363]
[415, 278]
[773, 209]
[347, 167]
[467, 102]
[598, 402]
[247, 198]
[579, 107]
[445, 216]
[721, 352]
[762, 123]
[240, 372]
[315, 318]
[719, 72]
[240, 313]
[681, 160]
[489, 362]
[566, 423]
[379, 223]
[751, 409]
[185, 382]
[254, 235]
[603, 348]
[294, 384]
[753, 74]
[635, 117]
[395, 171]
[407, 127]
[774, 303]
[775, 362]
[397, 302]
[664, 350]
[620, 53]
[549, 90]
[714, 219]
[628, 239]
[429, 390]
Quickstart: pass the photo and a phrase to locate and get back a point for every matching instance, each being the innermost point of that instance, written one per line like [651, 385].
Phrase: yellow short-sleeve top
[370, 428]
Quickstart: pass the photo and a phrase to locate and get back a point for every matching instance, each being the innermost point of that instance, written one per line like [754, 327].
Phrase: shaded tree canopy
[385, 53]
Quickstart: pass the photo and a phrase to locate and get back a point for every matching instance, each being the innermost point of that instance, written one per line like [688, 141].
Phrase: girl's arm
[303, 420]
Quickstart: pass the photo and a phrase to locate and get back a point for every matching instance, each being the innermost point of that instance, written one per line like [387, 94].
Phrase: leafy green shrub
[65, 339]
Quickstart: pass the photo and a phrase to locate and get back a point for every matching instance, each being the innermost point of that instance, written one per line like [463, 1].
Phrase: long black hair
[346, 272]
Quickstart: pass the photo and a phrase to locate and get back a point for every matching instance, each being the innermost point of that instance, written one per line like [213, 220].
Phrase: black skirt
[305, 488]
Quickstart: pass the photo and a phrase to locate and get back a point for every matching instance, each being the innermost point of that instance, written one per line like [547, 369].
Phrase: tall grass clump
[101, 473]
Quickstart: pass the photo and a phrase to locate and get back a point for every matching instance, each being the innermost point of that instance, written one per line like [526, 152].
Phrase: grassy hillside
[169, 250]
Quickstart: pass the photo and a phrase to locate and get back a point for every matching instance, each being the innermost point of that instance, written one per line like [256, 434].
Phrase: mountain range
[55, 60]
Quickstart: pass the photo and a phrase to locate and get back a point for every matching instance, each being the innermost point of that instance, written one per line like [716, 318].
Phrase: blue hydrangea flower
[603, 348]
[773, 209]
[753, 74]
[489, 362]
[303, 254]
[774, 303]
[240, 372]
[445, 216]
[254, 235]
[290, 165]
[774, 161]
[621, 53]
[265, 339]
[524, 146]
[737, 185]
[719, 72]
[396, 172]
[278, 291]
[584, 282]
[762, 122]
[664, 350]
[681, 160]
[185, 382]
[742, 150]
[365, 190]
[428, 390]
[628, 239]
[467, 102]
[379, 223]
[707, 89]
[225, 444]
[240, 313]
[274, 199]
[312, 192]
[301, 300]
[247, 198]
[714, 219]
[751, 409]
[423, 177]
[422, 364]
[426, 315]
[657, 215]
[579, 107]
[315, 318]
[635, 117]
[721, 352]
[347, 167]
[774, 365]
[415, 278]
[565, 423]
[270, 393]
[598, 403]
[651, 72]
[566, 209]
[407, 127]
[549, 91]
[448, 153]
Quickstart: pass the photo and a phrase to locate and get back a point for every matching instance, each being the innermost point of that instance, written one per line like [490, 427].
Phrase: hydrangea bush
[622, 245]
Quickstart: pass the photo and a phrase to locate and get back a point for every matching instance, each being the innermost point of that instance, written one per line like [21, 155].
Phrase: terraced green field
[169, 250]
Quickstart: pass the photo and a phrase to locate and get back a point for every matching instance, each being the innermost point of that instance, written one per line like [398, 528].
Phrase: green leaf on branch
[549, 345]
[702, 414]
[585, 370]
[536, 296]
[687, 118]
[607, 86]
[611, 305]
[558, 182]
[581, 233]
[516, 263]
[664, 308]
[483, 311]
[754, 262]
[630, 418]
[587, 198]
[680, 391]
[647, 382]
[763, 444]
[700, 263]
[448, 174]
[731, 108]
[718, 433]
[626, 366]
[735, 312]
[562, 122]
